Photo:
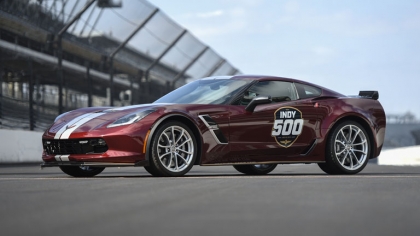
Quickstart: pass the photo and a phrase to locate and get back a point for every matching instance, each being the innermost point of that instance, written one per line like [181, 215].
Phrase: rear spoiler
[369, 94]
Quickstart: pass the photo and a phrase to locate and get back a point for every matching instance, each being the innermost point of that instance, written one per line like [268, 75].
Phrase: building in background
[59, 55]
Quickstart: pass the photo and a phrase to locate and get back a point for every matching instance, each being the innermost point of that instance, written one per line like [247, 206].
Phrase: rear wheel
[261, 169]
[174, 150]
[348, 149]
[82, 171]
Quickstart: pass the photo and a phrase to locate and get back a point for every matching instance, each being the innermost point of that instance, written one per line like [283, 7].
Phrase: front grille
[74, 146]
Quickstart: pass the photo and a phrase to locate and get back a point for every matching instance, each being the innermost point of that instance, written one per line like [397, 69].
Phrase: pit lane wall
[18, 146]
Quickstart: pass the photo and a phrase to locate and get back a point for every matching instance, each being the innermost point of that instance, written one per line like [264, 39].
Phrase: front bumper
[93, 164]
[123, 145]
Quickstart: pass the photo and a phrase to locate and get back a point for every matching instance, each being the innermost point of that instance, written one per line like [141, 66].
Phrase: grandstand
[59, 55]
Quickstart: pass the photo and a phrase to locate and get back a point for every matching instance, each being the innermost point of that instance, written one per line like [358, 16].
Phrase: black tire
[348, 149]
[255, 169]
[152, 170]
[324, 167]
[85, 171]
[172, 156]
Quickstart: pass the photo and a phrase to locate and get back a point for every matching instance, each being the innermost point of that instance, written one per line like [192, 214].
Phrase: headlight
[131, 118]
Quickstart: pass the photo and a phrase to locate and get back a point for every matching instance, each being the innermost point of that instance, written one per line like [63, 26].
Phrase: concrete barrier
[406, 156]
[17, 146]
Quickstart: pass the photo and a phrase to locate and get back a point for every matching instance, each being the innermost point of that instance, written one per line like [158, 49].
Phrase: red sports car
[250, 122]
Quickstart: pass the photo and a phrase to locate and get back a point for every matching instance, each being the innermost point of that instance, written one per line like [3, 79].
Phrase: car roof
[326, 91]
[256, 77]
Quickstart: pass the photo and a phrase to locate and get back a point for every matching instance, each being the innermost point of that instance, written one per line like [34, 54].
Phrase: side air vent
[309, 149]
[214, 129]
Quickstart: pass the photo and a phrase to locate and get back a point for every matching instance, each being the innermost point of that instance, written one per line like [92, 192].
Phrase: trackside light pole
[156, 61]
[60, 54]
[180, 74]
[233, 71]
[215, 68]
[121, 46]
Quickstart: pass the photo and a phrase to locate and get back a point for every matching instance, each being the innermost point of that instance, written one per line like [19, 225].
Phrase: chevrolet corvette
[250, 122]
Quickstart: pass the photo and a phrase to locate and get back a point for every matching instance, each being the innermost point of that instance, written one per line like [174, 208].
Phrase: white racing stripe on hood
[70, 123]
[74, 126]
[151, 105]
[126, 108]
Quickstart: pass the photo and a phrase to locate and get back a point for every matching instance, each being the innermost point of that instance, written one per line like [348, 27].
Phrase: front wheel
[82, 171]
[262, 169]
[348, 149]
[174, 150]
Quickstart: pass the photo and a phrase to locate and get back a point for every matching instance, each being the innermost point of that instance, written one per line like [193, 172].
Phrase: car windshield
[207, 91]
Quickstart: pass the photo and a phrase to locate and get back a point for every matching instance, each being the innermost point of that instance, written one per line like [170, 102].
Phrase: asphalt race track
[293, 200]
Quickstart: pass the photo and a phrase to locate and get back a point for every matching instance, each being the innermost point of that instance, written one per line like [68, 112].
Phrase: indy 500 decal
[288, 125]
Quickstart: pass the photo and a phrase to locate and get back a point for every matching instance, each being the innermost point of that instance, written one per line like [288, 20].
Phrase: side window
[279, 91]
[307, 91]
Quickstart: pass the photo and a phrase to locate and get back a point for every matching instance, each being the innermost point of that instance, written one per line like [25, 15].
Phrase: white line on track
[218, 177]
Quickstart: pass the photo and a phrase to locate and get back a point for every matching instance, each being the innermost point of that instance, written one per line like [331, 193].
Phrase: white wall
[406, 156]
[20, 146]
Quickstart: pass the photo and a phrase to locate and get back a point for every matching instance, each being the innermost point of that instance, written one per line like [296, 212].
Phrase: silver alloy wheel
[175, 148]
[351, 147]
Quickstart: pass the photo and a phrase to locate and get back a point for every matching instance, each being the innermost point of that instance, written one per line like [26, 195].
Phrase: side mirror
[257, 101]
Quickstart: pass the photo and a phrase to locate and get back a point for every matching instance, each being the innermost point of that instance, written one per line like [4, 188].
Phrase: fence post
[89, 78]
[31, 95]
[131, 89]
[1, 90]
[111, 82]
[139, 92]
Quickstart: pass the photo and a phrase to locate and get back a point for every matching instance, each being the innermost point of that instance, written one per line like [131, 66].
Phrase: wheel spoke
[344, 158]
[187, 152]
[350, 132]
[168, 161]
[355, 136]
[339, 153]
[355, 150]
[176, 161]
[180, 137]
[186, 141]
[363, 142]
[340, 142]
[357, 159]
[161, 156]
[167, 137]
[345, 139]
[182, 158]
[173, 135]
[160, 145]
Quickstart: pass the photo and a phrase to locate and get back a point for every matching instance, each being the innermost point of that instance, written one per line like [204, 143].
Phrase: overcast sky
[343, 45]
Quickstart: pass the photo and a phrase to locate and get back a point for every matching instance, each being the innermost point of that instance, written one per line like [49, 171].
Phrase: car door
[272, 132]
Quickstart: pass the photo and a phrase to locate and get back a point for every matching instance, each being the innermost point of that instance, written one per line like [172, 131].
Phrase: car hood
[105, 113]
[87, 119]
